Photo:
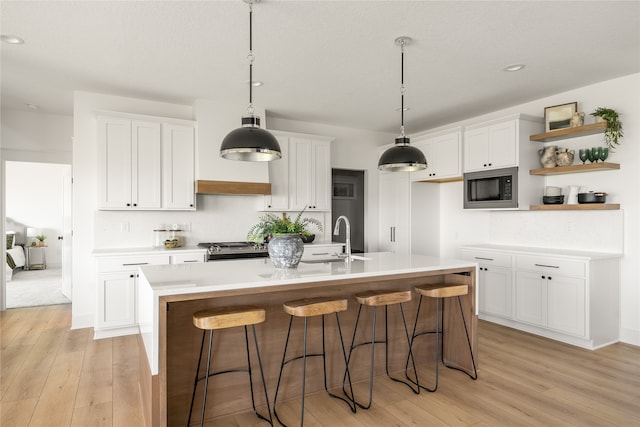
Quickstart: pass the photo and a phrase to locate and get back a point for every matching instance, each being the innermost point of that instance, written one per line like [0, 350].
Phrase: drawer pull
[320, 253]
[486, 259]
[190, 260]
[135, 263]
[544, 265]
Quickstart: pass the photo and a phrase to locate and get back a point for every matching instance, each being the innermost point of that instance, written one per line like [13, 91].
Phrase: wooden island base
[166, 397]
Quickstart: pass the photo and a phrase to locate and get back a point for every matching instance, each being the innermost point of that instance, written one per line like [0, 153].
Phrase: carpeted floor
[35, 287]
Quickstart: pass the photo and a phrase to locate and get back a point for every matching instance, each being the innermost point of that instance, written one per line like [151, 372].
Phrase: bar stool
[305, 308]
[375, 299]
[441, 291]
[223, 318]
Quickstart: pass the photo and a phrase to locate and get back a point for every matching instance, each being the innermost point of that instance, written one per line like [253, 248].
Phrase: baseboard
[82, 321]
[630, 336]
[114, 332]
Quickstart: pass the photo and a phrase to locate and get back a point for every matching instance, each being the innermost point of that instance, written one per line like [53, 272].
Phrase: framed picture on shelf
[559, 116]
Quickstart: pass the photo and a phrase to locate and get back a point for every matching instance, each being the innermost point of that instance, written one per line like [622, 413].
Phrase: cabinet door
[447, 160]
[531, 298]
[566, 305]
[321, 179]
[503, 145]
[278, 200]
[146, 160]
[497, 291]
[476, 149]
[300, 173]
[428, 149]
[116, 299]
[114, 163]
[394, 213]
[178, 188]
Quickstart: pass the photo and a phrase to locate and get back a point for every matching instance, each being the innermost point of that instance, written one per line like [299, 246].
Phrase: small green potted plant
[284, 237]
[613, 132]
[41, 238]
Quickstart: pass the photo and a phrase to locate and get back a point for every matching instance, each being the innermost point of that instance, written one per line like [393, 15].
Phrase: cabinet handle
[135, 204]
[191, 205]
[131, 275]
[489, 164]
[544, 265]
[128, 204]
[486, 259]
[320, 253]
[190, 260]
[485, 165]
[549, 277]
[135, 263]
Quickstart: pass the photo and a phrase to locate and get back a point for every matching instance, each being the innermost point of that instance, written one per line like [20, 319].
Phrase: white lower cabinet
[571, 297]
[117, 283]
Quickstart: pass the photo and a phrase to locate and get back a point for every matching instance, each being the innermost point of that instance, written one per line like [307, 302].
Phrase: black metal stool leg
[409, 355]
[473, 376]
[284, 355]
[351, 347]
[414, 335]
[195, 381]
[206, 378]
[253, 402]
[304, 370]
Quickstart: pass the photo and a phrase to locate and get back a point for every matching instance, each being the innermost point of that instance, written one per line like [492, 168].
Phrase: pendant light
[402, 157]
[250, 142]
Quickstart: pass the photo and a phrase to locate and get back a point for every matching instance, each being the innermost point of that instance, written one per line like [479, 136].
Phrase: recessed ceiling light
[513, 67]
[7, 38]
[32, 106]
[256, 83]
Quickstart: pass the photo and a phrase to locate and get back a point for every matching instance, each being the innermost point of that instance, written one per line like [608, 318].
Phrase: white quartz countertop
[259, 272]
[525, 250]
[150, 250]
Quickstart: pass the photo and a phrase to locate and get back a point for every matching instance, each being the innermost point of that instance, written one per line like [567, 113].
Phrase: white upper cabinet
[309, 174]
[278, 200]
[129, 162]
[145, 164]
[178, 171]
[443, 156]
[491, 147]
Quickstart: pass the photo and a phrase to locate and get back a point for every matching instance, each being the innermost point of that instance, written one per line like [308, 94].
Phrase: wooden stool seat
[228, 317]
[385, 297]
[442, 290]
[309, 307]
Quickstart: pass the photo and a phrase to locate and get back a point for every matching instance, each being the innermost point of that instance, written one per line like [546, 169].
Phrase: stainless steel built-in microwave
[491, 189]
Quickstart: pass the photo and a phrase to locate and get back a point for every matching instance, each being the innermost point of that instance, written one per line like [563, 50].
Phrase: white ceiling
[331, 62]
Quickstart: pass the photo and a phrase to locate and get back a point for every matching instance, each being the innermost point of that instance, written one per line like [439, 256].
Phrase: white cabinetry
[302, 177]
[145, 164]
[178, 169]
[395, 212]
[129, 163]
[568, 296]
[117, 282]
[495, 282]
[500, 143]
[321, 250]
[442, 152]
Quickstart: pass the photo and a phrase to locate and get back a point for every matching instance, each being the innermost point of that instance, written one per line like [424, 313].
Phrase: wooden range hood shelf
[232, 187]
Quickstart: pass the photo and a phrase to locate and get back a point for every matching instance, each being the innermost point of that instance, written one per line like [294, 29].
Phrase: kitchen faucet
[336, 231]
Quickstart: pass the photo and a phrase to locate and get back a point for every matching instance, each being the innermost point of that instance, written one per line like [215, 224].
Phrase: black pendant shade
[402, 157]
[250, 143]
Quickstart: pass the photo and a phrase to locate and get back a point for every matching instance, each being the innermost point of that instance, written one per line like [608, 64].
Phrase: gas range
[234, 250]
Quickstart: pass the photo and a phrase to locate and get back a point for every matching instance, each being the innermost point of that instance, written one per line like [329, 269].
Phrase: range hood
[232, 187]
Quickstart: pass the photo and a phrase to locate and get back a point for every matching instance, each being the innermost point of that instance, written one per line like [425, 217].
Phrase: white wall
[608, 231]
[354, 149]
[33, 196]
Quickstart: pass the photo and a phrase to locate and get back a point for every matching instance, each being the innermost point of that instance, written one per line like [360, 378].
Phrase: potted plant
[284, 237]
[613, 132]
[41, 238]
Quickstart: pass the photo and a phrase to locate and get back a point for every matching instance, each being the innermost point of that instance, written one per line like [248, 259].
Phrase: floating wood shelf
[579, 207]
[559, 170]
[566, 133]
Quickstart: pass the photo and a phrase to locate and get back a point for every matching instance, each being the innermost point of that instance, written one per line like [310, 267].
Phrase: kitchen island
[168, 295]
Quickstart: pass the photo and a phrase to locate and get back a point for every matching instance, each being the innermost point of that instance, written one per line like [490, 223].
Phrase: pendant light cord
[402, 89]
[250, 57]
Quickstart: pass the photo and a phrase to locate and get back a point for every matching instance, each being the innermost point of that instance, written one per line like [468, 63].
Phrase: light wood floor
[52, 376]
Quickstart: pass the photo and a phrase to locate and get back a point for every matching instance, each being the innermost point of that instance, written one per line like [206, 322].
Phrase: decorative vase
[564, 157]
[548, 156]
[286, 250]
[577, 120]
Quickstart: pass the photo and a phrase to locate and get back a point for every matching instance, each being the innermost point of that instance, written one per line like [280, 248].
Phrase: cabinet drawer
[317, 251]
[190, 257]
[130, 262]
[487, 258]
[551, 265]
